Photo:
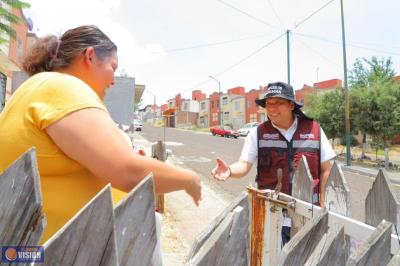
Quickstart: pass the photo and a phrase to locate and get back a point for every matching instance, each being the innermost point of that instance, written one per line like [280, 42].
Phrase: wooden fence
[247, 232]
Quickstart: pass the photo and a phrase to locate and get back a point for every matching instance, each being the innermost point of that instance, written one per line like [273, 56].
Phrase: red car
[226, 131]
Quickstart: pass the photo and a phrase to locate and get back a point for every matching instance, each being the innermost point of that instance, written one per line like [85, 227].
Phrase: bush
[353, 141]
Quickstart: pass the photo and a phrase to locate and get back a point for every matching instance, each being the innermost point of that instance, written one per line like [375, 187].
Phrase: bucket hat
[281, 90]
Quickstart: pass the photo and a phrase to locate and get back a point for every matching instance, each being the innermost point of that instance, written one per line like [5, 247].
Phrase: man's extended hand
[221, 171]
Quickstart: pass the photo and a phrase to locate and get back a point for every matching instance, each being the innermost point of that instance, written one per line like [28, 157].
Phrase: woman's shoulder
[60, 79]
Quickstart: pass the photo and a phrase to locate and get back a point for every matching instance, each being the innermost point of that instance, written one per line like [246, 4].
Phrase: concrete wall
[119, 100]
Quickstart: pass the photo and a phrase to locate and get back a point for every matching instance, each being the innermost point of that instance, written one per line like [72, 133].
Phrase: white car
[245, 129]
[138, 125]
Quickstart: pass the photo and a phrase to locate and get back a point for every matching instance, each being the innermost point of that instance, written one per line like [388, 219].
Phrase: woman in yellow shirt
[60, 111]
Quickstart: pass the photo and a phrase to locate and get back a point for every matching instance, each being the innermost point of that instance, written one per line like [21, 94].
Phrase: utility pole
[346, 91]
[154, 106]
[219, 101]
[288, 56]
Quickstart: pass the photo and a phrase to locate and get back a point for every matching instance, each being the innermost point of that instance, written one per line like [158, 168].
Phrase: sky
[174, 46]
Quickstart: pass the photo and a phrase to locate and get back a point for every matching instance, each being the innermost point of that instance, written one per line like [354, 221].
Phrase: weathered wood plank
[303, 184]
[376, 250]
[381, 202]
[300, 247]
[226, 240]
[395, 261]
[330, 250]
[302, 188]
[88, 238]
[352, 227]
[241, 200]
[21, 218]
[227, 244]
[337, 192]
[136, 226]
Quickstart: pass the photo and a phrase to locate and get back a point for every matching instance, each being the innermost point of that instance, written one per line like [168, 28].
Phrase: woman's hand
[194, 186]
[221, 171]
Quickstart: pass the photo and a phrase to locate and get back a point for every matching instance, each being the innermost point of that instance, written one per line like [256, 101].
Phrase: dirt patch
[172, 245]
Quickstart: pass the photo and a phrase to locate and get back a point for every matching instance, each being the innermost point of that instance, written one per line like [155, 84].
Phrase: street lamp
[219, 100]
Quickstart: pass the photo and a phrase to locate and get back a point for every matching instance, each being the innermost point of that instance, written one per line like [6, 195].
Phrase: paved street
[198, 150]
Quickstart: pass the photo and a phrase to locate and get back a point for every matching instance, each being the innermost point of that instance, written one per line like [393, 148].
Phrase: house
[253, 112]
[215, 116]
[233, 107]
[204, 113]
[12, 53]
[317, 88]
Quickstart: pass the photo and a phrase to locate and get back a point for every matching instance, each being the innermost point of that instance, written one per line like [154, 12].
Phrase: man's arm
[325, 170]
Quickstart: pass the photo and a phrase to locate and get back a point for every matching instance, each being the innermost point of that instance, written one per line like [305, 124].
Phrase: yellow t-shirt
[40, 101]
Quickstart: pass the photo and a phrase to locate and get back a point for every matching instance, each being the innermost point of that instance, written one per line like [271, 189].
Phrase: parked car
[138, 125]
[225, 131]
[245, 129]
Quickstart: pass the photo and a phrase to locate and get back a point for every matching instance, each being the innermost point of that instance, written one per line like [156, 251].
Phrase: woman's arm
[90, 137]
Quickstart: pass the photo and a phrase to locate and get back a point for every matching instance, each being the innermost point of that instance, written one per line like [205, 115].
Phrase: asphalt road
[198, 151]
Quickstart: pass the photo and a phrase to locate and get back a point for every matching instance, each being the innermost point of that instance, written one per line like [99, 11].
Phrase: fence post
[382, 202]
[21, 218]
[158, 151]
[258, 217]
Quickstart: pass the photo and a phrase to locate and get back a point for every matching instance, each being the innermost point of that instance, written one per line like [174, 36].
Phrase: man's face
[279, 111]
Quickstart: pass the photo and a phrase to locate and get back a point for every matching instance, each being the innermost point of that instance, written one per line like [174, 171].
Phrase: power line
[312, 14]
[250, 55]
[234, 65]
[348, 44]
[214, 44]
[318, 53]
[276, 14]
[249, 15]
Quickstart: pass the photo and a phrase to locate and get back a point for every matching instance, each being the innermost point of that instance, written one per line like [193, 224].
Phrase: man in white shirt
[280, 142]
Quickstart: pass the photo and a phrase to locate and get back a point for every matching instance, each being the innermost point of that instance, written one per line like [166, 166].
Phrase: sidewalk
[183, 221]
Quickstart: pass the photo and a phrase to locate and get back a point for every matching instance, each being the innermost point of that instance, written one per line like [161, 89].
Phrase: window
[186, 107]
[224, 100]
[226, 116]
[237, 106]
[253, 117]
[215, 116]
[203, 105]
[212, 104]
[217, 103]
[249, 103]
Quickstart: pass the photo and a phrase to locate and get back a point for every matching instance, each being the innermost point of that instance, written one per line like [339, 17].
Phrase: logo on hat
[281, 90]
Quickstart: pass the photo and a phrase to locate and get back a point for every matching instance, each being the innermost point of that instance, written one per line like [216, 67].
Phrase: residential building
[253, 112]
[197, 95]
[204, 113]
[317, 88]
[233, 108]
[214, 109]
[12, 54]
[187, 114]
[119, 100]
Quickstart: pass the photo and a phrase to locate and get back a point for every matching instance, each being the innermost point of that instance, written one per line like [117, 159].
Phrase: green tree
[9, 18]
[328, 110]
[372, 92]
[367, 72]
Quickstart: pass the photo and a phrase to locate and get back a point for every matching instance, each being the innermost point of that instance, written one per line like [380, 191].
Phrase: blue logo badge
[22, 254]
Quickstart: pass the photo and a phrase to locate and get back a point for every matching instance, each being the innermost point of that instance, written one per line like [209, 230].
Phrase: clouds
[146, 31]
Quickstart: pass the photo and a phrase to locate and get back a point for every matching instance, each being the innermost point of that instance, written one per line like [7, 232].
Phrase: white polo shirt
[250, 152]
